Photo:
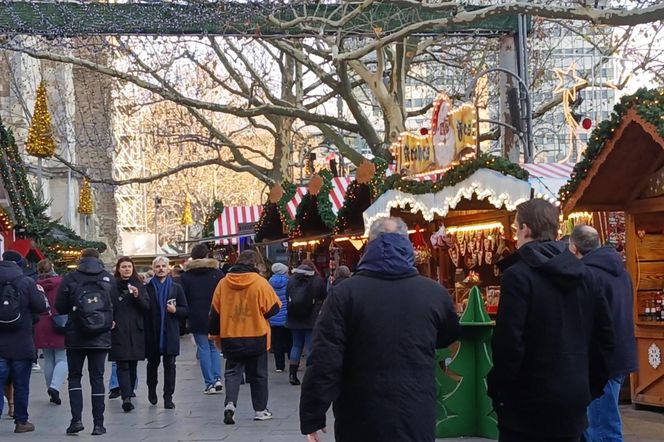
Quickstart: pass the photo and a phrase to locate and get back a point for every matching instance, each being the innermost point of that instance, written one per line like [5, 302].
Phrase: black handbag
[60, 323]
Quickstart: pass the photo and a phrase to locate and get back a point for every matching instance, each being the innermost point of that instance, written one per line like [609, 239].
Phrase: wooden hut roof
[619, 174]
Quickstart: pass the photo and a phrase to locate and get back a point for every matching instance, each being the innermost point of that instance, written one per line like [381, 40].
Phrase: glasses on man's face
[514, 228]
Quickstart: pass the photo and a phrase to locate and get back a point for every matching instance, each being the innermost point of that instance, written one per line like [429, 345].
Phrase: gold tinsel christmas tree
[85, 198]
[40, 135]
[187, 218]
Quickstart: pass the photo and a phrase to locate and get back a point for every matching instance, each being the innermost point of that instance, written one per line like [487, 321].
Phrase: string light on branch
[40, 141]
[85, 199]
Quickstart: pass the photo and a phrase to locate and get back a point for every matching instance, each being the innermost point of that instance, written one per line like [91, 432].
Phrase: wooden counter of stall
[626, 173]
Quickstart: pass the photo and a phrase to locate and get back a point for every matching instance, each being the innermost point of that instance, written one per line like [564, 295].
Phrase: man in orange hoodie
[242, 303]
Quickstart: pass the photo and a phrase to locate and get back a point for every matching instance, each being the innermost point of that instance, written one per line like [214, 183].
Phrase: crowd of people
[562, 345]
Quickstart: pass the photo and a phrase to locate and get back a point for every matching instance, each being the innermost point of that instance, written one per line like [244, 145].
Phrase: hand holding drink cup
[170, 306]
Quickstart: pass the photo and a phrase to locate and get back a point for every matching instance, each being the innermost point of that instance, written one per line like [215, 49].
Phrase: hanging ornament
[454, 255]
[40, 141]
[85, 199]
[187, 218]
[422, 252]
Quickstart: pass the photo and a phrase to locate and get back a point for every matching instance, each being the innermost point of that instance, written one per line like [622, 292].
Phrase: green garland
[455, 175]
[208, 226]
[281, 208]
[649, 105]
[30, 210]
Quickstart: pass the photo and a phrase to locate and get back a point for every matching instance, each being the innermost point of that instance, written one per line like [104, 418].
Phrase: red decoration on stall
[424, 131]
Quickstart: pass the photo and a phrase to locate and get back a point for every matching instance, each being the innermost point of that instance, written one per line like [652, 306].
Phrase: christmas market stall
[459, 224]
[623, 170]
[231, 229]
[315, 220]
[349, 239]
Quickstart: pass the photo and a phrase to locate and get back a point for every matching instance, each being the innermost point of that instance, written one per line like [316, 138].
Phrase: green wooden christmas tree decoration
[464, 408]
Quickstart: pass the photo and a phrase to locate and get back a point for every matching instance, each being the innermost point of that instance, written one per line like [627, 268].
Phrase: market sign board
[464, 123]
[415, 154]
[453, 136]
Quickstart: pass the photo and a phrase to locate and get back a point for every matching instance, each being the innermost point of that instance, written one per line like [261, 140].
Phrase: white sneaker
[263, 415]
[36, 366]
[209, 390]
[229, 414]
[218, 387]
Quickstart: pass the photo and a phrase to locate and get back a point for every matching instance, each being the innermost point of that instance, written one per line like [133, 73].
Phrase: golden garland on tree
[40, 135]
[85, 198]
[187, 217]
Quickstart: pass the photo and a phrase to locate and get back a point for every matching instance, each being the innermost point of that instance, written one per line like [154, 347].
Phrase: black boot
[152, 395]
[127, 406]
[292, 374]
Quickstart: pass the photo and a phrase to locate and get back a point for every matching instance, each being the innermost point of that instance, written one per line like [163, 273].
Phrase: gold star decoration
[568, 89]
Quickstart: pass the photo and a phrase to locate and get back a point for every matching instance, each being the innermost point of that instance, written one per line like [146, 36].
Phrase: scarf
[162, 289]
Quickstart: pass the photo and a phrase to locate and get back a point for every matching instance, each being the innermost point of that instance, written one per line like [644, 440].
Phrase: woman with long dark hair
[128, 336]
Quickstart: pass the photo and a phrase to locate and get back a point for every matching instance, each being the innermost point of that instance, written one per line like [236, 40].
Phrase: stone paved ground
[198, 417]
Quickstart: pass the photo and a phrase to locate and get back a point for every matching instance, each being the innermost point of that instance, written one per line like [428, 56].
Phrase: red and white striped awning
[237, 221]
[549, 170]
[337, 195]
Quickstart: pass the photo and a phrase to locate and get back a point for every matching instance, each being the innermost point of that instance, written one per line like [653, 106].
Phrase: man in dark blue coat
[604, 423]
[168, 305]
[373, 352]
[553, 336]
[199, 282]
[21, 302]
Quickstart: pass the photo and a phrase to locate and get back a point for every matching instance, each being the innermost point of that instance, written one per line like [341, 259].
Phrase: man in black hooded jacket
[553, 336]
[606, 264]
[88, 333]
[373, 352]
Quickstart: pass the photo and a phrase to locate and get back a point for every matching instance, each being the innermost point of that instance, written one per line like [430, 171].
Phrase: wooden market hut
[623, 170]
[475, 202]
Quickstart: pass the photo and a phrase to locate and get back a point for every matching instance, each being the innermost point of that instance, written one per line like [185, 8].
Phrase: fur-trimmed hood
[206, 263]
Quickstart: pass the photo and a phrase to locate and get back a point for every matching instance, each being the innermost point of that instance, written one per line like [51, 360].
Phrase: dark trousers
[256, 370]
[127, 377]
[18, 370]
[96, 361]
[281, 345]
[169, 374]
[512, 436]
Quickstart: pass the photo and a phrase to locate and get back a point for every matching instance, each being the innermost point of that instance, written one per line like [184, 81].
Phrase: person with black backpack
[305, 293]
[86, 296]
[20, 300]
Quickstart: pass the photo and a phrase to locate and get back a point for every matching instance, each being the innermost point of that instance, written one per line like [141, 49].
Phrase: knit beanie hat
[279, 269]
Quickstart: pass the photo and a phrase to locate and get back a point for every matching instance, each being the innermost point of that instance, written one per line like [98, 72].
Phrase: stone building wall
[79, 103]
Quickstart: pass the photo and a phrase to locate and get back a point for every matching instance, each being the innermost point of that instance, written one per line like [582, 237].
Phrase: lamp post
[157, 205]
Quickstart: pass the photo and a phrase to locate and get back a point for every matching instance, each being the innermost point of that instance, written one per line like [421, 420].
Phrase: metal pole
[523, 58]
[473, 84]
[156, 225]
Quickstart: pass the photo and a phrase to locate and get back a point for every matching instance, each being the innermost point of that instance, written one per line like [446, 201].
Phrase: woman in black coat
[130, 305]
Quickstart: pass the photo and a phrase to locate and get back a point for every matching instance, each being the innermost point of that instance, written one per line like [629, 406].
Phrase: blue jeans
[55, 367]
[208, 358]
[604, 424]
[113, 382]
[301, 340]
[19, 370]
